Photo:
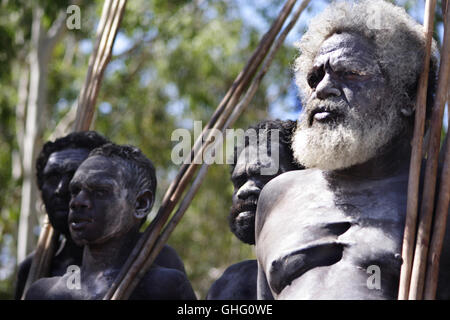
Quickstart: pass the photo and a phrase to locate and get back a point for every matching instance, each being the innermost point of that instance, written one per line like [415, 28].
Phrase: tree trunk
[42, 44]
[21, 108]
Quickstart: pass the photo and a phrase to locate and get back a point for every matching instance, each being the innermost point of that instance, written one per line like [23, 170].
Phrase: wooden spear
[107, 30]
[416, 158]
[428, 196]
[439, 229]
[112, 13]
[164, 236]
[440, 219]
[142, 249]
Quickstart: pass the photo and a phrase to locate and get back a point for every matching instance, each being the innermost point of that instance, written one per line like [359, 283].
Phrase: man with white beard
[334, 231]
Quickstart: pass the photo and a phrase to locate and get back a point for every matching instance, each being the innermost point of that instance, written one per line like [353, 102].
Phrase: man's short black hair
[285, 128]
[142, 172]
[79, 140]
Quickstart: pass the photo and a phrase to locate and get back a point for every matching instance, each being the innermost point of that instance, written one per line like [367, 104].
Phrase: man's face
[248, 183]
[58, 171]
[349, 114]
[99, 208]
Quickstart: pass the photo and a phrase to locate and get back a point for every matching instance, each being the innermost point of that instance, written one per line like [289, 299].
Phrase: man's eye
[350, 75]
[315, 77]
[100, 192]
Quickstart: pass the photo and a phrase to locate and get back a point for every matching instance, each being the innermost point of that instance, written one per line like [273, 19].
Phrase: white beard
[352, 142]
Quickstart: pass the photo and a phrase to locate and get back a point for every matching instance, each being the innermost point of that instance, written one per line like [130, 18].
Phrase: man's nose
[80, 201]
[327, 87]
[248, 189]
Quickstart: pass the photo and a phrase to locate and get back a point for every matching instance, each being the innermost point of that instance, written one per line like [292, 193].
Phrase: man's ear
[143, 204]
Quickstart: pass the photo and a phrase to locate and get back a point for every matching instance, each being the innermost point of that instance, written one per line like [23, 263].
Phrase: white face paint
[350, 114]
[100, 198]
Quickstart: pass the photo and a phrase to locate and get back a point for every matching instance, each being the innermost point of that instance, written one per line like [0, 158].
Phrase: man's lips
[322, 114]
[78, 223]
[245, 214]
[246, 211]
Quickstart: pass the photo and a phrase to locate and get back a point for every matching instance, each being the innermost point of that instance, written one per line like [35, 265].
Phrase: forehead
[67, 158]
[99, 167]
[347, 45]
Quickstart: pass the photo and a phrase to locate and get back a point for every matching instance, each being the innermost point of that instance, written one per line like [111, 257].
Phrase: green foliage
[176, 61]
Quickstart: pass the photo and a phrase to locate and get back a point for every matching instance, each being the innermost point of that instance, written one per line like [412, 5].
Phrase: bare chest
[327, 236]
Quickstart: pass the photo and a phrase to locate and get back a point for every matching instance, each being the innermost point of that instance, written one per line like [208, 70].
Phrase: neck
[391, 160]
[71, 249]
[110, 256]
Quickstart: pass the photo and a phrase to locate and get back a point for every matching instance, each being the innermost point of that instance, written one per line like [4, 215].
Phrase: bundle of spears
[422, 244]
[416, 281]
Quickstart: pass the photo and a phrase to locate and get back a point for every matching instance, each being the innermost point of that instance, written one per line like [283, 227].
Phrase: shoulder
[169, 258]
[289, 185]
[45, 289]
[280, 185]
[161, 283]
[168, 250]
[243, 266]
[235, 272]
[238, 282]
